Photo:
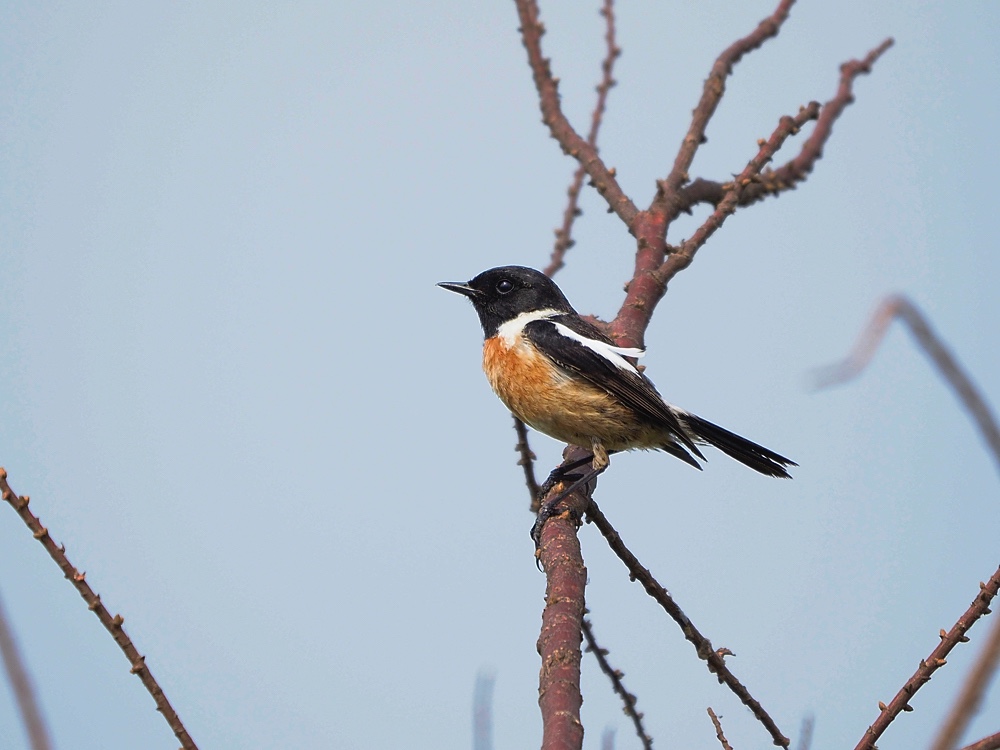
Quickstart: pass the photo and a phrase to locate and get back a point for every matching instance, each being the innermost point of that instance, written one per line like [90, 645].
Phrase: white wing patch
[613, 354]
[510, 330]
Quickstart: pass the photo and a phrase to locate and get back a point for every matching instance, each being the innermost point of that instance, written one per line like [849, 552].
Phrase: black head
[501, 294]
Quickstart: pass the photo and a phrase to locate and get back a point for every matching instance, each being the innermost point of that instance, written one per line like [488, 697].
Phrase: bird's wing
[581, 348]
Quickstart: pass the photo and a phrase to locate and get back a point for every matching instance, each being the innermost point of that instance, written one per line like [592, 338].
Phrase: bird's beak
[460, 288]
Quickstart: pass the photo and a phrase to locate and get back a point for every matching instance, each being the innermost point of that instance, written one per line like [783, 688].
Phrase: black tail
[757, 457]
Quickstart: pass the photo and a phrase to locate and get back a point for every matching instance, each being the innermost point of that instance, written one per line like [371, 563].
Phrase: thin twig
[571, 142]
[969, 699]
[712, 92]
[718, 730]
[681, 258]
[20, 682]
[652, 272]
[795, 171]
[112, 623]
[980, 606]
[703, 647]
[898, 306]
[527, 462]
[564, 235]
[615, 675]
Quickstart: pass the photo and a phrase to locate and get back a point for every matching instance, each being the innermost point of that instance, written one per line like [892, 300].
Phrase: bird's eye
[504, 286]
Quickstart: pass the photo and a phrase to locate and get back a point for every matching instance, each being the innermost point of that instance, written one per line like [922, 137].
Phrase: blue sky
[233, 391]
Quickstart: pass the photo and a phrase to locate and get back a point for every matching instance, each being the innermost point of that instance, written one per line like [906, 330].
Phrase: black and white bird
[565, 377]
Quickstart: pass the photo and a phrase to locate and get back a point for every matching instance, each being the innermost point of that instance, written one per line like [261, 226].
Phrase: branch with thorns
[656, 263]
[615, 675]
[111, 623]
[718, 730]
[715, 658]
[938, 658]
[564, 235]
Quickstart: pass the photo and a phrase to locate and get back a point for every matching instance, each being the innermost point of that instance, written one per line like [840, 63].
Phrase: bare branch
[681, 258]
[980, 606]
[564, 235]
[703, 647]
[571, 142]
[615, 675]
[562, 622]
[113, 624]
[971, 696]
[789, 175]
[20, 682]
[986, 743]
[898, 306]
[527, 462]
[714, 88]
[718, 730]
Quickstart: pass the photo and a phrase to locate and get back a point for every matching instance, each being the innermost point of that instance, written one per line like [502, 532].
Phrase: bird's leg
[599, 461]
[560, 474]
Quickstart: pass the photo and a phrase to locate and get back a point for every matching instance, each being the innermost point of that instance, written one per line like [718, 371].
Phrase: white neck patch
[510, 330]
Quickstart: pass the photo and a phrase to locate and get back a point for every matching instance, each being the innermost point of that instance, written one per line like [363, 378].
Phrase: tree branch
[113, 624]
[712, 92]
[898, 306]
[968, 701]
[703, 647]
[571, 142]
[718, 730]
[681, 258]
[20, 682]
[789, 175]
[615, 675]
[980, 606]
[564, 235]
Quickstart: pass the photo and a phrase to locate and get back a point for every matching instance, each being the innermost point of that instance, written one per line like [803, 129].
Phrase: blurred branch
[113, 624]
[986, 743]
[980, 606]
[615, 675]
[482, 711]
[898, 306]
[703, 647]
[806, 733]
[608, 739]
[20, 682]
[718, 730]
[564, 235]
[969, 700]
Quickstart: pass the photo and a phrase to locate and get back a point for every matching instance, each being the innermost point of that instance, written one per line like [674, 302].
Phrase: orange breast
[551, 401]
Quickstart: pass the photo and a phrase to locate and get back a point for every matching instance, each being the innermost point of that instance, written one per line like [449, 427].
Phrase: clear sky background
[231, 388]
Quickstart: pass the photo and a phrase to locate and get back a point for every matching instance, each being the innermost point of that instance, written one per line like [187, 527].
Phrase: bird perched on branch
[565, 377]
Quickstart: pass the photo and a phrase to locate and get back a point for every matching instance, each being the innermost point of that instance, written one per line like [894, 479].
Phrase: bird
[563, 376]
